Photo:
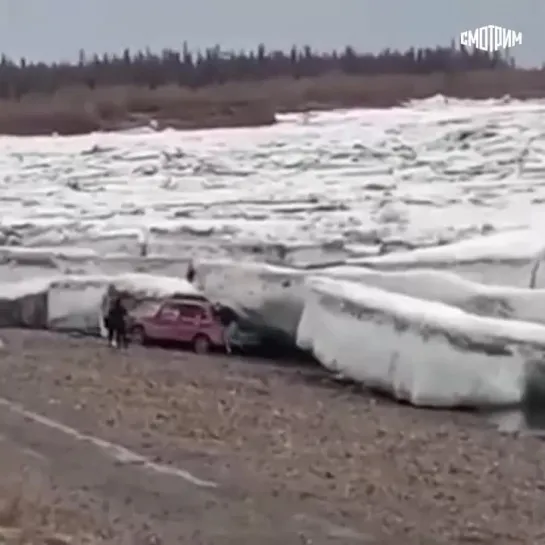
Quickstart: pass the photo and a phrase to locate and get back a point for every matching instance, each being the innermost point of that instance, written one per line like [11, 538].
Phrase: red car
[190, 321]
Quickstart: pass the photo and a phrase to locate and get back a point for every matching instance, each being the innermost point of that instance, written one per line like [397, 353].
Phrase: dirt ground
[153, 446]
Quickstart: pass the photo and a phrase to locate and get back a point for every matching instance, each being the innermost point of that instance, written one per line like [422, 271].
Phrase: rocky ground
[158, 446]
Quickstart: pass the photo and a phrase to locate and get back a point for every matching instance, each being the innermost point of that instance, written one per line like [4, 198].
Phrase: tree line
[215, 67]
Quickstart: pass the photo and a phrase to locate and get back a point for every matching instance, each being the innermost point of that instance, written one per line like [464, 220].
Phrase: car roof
[187, 297]
[187, 300]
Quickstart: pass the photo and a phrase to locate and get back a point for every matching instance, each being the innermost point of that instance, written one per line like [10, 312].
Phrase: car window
[169, 312]
[148, 308]
[191, 311]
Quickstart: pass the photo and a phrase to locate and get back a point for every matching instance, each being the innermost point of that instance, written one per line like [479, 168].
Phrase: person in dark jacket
[190, 273]
[116, 325]
[228, 320]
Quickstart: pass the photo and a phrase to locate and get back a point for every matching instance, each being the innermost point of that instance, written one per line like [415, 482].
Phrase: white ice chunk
[427, 353]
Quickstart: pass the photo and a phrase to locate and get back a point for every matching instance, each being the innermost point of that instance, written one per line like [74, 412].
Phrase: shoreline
[284, 446]
[78, 110]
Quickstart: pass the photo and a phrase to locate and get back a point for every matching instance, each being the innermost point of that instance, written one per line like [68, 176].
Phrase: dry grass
[33, 509]
[28, 517]
[78, 110]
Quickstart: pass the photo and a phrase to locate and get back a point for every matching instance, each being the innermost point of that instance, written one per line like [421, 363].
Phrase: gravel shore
[33, 510]
[293, 456]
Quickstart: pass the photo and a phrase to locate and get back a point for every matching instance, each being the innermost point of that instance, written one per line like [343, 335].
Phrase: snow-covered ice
[506, 257]
[439, 201]
[78, 303]
[427, 353]
[268, 295]
[420, 174]
[273, 296]
[65, 302]
[508, 302]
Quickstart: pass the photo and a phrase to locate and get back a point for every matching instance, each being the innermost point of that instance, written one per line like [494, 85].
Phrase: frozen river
[463, 182]
[352, 180]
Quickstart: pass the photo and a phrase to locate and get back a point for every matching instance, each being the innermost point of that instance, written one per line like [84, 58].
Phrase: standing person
[190, 273]
[116, 324]
[228, 320]
[143, 242]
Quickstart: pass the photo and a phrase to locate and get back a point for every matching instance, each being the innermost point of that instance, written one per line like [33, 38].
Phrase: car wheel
[138, 335]
[201, 344]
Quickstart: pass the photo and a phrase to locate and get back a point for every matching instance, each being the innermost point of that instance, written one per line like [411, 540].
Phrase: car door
[190, 317]
[164, 324]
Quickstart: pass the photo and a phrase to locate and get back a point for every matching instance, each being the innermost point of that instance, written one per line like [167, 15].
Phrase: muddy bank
[84, 115]
[80, 110]
[306, 455]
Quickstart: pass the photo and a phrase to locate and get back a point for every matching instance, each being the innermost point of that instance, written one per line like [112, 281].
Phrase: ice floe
[427, 353]
[500, 301]
[273, 296]
[503, 258]
[415, 174]
[77, 303]
[437, 203]
[429, 321]
[268, 295]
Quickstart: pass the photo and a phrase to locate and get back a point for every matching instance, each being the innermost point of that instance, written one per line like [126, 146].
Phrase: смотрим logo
[490, 38]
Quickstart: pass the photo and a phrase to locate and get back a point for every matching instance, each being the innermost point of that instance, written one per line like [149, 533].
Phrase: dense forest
[213, 66]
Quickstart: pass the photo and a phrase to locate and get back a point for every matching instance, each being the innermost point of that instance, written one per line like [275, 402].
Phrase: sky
[54, 30]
